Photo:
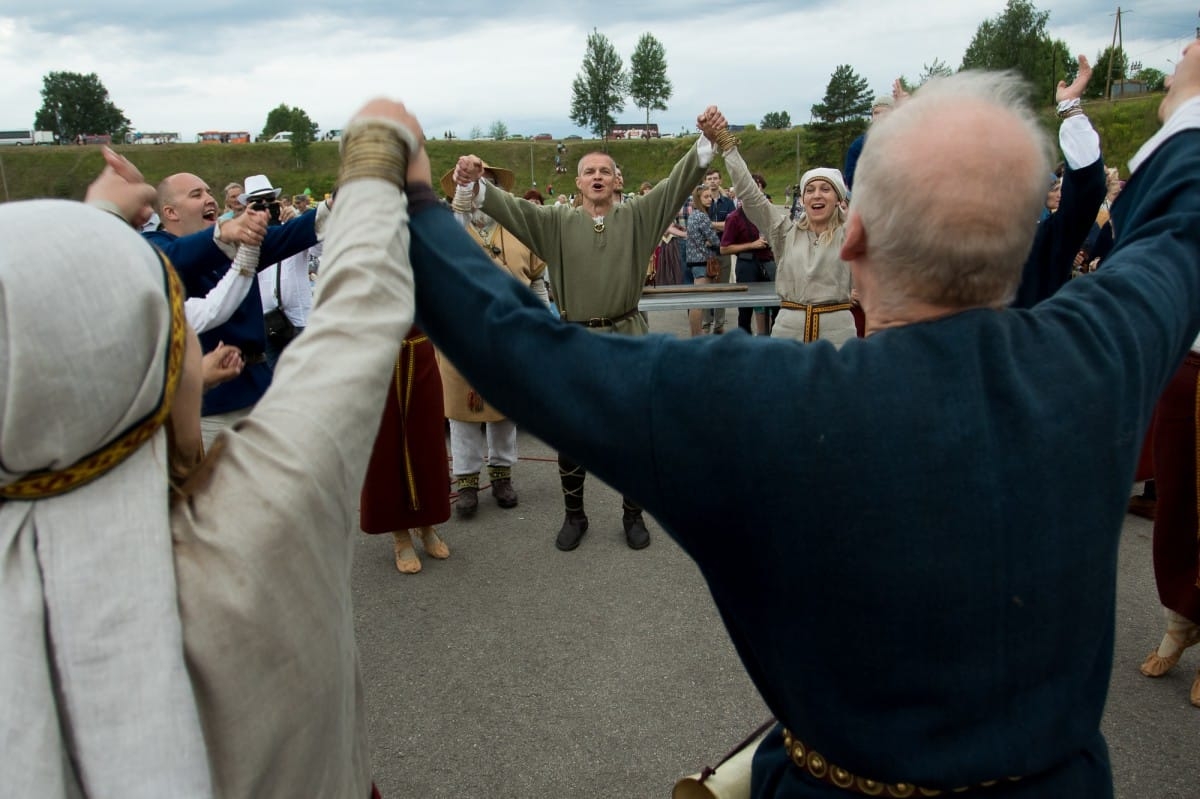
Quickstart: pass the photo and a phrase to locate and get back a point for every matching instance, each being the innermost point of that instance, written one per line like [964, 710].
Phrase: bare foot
[407, 561]
[434, 546]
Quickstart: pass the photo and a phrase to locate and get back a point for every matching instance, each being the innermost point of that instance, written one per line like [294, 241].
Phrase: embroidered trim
[41, 485]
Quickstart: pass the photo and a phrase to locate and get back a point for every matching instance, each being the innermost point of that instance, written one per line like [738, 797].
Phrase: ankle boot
[467, 487]
[636, 534]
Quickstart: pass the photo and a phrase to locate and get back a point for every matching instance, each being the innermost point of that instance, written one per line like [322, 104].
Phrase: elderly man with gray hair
[919, 613]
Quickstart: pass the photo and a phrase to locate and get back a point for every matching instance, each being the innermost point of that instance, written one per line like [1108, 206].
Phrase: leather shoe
[636, 534]
[1142, 506]
[504, 493]
[573, 528]
[467, 503]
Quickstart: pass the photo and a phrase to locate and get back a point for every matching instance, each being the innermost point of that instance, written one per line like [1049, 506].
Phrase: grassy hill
[29, 172]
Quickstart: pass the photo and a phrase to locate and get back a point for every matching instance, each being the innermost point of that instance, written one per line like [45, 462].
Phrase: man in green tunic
[596, 255]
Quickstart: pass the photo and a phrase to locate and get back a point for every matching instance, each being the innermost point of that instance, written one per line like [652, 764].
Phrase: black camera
[268, 204]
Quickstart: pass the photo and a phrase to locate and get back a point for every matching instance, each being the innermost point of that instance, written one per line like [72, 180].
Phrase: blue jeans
[750, 270]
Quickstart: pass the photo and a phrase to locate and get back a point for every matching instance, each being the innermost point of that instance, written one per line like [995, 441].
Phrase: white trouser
[467, 445]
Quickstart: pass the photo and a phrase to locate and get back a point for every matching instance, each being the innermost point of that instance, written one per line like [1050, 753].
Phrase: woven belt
[601, 321]
[812, 314]
[815, 765]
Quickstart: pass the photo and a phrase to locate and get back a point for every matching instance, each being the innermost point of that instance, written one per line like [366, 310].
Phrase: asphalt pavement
[514, 670]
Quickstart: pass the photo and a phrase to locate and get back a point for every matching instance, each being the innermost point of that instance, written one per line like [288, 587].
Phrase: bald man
[919, 613]
[201, 247]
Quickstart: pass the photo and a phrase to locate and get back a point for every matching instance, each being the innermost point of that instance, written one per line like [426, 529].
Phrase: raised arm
[770, 221]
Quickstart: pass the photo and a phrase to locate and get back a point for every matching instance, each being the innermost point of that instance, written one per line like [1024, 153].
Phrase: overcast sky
[223, 65]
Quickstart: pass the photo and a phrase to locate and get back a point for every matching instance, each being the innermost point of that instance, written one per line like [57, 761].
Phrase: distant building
[636, 131]
[1127, 88]
[137, 137]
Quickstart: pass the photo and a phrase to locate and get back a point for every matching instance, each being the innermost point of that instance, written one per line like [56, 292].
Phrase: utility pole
[1118, 35]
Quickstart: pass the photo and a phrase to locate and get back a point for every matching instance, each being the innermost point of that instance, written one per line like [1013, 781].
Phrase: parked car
[543, 137]
[284, 136]
[332, 135]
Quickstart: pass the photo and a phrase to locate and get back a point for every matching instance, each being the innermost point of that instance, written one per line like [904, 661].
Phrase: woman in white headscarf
[196, 638]
[812, 280]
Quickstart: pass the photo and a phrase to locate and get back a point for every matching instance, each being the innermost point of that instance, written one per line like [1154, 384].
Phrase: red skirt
[1176, 521]
[408, 479]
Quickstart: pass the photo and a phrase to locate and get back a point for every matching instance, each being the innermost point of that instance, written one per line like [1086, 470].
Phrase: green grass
[29, 172]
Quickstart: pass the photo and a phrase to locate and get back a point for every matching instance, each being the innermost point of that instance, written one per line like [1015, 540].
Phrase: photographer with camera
[201, 249]
[283, 286]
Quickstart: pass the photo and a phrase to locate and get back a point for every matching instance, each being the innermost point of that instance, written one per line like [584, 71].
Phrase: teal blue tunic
[916, 557]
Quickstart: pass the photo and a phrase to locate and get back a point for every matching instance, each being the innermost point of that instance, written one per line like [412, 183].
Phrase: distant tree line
[75, 104]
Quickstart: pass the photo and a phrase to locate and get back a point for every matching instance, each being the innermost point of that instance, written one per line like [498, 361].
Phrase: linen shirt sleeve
[215, 308]
[772, 224]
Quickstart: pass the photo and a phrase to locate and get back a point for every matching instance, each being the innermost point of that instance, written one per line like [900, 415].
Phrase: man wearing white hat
[283, 286]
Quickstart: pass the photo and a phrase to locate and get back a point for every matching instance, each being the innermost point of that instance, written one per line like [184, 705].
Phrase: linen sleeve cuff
[1079, 141]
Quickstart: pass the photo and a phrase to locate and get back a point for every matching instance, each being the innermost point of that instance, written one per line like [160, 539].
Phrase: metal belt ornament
[815, 764]
[812, 315]
[44, 484]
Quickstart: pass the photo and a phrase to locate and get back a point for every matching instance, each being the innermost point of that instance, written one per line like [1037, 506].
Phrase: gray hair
[585, 156]
[953, 230]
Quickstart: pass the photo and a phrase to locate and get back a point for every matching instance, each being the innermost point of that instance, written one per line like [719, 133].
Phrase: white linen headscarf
[94, 694]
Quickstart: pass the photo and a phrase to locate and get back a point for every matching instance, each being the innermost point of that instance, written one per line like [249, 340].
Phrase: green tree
[1063, 66]
[1153, 78]
[938, 69]
[296, 121]
[73, 103]
[498, 131]
[476, 132]
[1016, 39]
[841, 116]
[649, 86]
[776, 120]
[598, 89]
[1119, 63]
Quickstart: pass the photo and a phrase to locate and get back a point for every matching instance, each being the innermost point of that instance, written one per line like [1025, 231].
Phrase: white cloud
[225, 65]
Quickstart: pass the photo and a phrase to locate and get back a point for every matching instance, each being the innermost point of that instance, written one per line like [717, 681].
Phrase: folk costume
[994, 609]
[477, 430]
[1176, 524]
[598, 269]
[405, 487]
[812, 280]
[93, 683]
[202, 646]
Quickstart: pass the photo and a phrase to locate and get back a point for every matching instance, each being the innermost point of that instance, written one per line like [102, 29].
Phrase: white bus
[20, 138]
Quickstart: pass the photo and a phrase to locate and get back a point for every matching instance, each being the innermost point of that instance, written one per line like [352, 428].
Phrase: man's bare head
[186, 204]
[597, 177]
[948, 192]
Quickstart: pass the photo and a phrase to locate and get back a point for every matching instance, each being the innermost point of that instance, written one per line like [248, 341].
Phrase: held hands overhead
[711, 122]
